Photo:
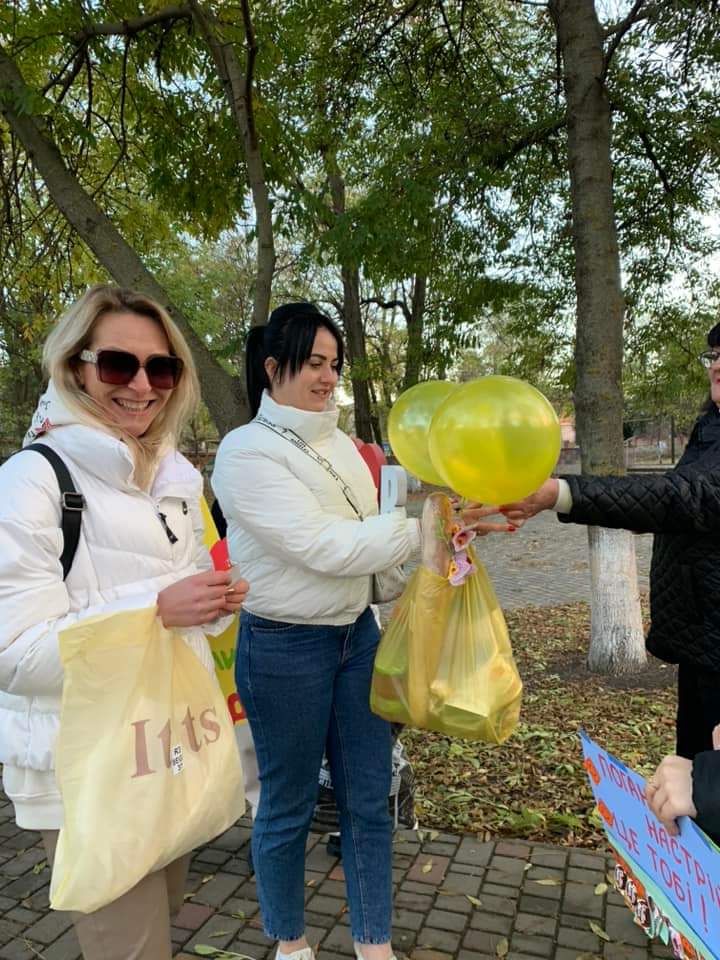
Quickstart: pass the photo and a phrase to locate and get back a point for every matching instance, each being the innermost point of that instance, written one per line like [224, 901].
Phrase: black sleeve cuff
[706, 791]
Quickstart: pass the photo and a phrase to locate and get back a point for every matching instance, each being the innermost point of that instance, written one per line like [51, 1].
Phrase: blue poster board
[672, 884]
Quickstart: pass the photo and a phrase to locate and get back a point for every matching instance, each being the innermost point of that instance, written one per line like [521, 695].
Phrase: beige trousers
[137, 925]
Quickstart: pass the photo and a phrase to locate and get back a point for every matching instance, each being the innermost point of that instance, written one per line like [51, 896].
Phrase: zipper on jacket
[170, 535]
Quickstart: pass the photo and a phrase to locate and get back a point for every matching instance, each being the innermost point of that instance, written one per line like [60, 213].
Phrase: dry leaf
[598, 931]
[39, 867]
[474, 900]
[427, 867]
[548, 882]
[600, 889]
[310, 883]
[528, 866]
[240, 915]
[220, 933]
[502, 947]
[208, 878]
[488, 836]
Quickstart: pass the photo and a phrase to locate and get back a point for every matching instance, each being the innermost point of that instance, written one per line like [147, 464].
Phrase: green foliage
[445, 125]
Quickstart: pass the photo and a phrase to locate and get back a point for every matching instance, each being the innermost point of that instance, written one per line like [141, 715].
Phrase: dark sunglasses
[119, 368]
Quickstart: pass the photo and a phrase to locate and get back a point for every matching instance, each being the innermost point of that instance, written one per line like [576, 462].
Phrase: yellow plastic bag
[146, 759]
[445, 662]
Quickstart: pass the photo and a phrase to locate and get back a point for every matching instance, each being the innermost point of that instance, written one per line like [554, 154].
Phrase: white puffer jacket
[123, 559]
[297, 539]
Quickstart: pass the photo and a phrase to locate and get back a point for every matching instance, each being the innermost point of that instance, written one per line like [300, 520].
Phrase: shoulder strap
[72, 504]
[297, 441]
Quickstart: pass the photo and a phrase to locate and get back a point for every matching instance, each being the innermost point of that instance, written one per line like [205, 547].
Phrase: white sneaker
[359, 955]
[306, 953]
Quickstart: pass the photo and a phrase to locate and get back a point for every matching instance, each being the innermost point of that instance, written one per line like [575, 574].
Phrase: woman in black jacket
[682, 509]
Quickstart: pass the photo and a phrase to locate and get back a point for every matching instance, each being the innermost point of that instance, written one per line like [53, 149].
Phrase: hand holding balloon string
[518, 512]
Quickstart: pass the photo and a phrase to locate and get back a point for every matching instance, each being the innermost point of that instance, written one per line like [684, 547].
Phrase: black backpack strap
[72, 504]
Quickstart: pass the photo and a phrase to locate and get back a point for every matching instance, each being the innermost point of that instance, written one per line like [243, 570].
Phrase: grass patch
[534, 785]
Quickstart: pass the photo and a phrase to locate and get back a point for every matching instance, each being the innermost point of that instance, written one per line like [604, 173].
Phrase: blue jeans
[306, 690]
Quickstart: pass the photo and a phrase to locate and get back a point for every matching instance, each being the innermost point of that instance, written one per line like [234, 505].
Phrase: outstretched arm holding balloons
[545, 498]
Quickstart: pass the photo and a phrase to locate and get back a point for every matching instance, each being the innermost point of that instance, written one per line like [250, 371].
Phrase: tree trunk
[239, 95]
[414, 356]
[616, 643]
[222, 392]
[352, 316]
[355, 339]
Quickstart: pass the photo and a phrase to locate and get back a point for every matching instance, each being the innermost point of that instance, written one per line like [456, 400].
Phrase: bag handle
[297, 441]
[72, 504]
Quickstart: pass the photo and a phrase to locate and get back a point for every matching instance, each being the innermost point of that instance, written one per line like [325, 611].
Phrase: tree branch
[619, 31]
[537, 135]
[653, 158]
[133, 26]
[223, 393]
[251, 44]
[389, 305]
[239, 96]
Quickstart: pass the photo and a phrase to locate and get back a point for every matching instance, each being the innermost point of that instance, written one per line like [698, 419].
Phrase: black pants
[698, 709]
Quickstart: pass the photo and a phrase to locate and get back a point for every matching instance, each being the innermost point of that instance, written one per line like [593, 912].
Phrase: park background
[503, 186]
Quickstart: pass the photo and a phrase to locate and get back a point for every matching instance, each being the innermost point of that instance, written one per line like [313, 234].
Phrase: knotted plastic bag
[146, 758]
[445, 662]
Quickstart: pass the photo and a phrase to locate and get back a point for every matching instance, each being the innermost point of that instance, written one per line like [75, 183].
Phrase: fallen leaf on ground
[534, 785]
[598, 931]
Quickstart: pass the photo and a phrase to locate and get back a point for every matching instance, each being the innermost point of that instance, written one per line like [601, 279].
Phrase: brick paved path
[436, 875]
[456, 897]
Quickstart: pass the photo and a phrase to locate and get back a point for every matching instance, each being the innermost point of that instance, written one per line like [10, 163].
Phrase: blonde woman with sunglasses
[122, 384]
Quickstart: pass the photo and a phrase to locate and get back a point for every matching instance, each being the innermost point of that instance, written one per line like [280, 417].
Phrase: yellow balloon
[409, 427]
[496, 440]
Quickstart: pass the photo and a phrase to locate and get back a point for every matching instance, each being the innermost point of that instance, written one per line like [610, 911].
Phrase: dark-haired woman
[294, 489]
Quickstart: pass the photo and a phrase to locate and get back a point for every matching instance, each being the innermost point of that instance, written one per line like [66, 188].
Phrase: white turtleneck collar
[311, 426]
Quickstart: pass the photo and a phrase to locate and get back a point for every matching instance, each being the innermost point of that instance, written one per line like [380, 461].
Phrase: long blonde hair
[73, 333]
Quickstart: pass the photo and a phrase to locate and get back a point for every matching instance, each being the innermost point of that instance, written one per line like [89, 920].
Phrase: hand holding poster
[672, 884]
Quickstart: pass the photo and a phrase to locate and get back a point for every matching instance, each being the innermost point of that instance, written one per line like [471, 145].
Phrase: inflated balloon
[495, 440]
[409, 427]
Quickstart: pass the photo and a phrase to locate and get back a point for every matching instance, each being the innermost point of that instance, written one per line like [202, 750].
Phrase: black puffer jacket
[706, 791]
[682, 508]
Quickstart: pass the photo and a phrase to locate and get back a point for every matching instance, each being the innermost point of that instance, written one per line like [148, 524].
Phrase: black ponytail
[288, 338]
[256, 377]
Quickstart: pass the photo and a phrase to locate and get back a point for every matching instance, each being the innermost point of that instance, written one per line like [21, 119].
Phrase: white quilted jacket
[124, 558]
